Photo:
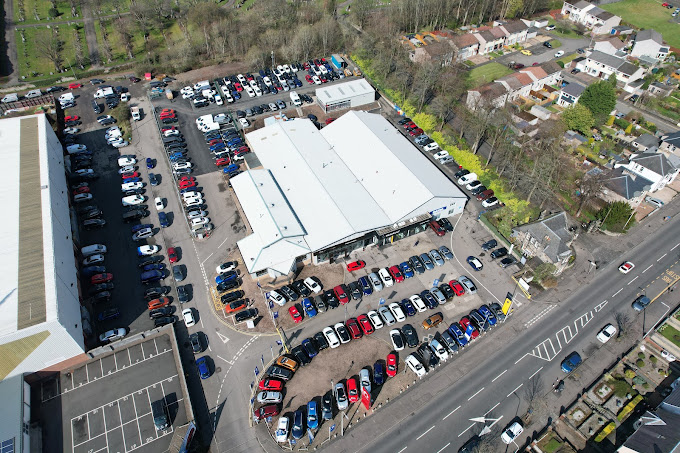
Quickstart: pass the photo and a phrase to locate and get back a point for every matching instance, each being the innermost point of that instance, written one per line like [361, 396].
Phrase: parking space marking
[444, 447]
[535, 373]
[451, 413]
[489, 411]
[478, 392]
[516, 388]
[494, 379]
[636, 277]
[660, 258]
[617, 293]
[648, 267]
[431, 428]
[676, 246]
[402, 449]
[466, 430]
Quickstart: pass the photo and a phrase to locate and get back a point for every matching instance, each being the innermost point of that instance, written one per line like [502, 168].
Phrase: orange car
[159, 303]
[433, 321]
[287, 363]
[235, 306]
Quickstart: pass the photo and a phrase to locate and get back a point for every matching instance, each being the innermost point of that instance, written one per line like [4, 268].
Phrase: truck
[295, 98]
[202, 85]
[136, 115]
[103, 92]
[338, 61]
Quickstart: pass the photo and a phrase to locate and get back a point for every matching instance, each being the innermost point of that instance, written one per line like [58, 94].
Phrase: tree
[579, 118]
[361, 9]
[49, 46]
[616, 217]
[600, 98]
[589, 188]
[623, 323]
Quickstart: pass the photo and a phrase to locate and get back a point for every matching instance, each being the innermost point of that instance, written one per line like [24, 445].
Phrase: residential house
[670, 143]
[466, 45]
[649, 43]
[653, 167]
[488, 42]
[646, 142]
[536, 23]
[548, 239]
[516, 32]
[524, 83]
[441, 52]
[660, 89]
[602, 65]
[611, 46]
[625, 186]
[620, 30]
[657, 430]
[596, 19]
[570, 94]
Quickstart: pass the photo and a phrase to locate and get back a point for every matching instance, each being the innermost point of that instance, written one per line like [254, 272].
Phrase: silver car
[387, 315]
[436, 257]
[269, 397]
[467, 283]
[445, 252]
[427, 261]
[341, 396]
[436, 292]
[375, 281]
[365, 379]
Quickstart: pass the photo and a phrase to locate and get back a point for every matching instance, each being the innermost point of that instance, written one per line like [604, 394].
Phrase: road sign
[268, 419]
[435, 283]
[257, 371]
[252, 400]
[292, 441]
[382, 301]
[276, 315]
[262, 359]
[271, 304]
[251, 385]
[266, 296]
[279, 342]
[469, 330]
[259, 286]
[332, 428]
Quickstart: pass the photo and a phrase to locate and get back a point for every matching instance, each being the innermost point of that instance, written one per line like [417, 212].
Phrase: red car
[396, 274]
[295, 314]
[101, 278]
[306, 65]
[665, 4]
[81, 190]
[71, 118]
[244, 149]
[238, 86]
[457, 287]
[323, 78]
[167, 111]
[330, 120]
[353, 327]
[416, 132]
[465, 322]
[392, 364]
[270, 384]
[309, 79]
[409, 125]
[340, 293]
[158, 303]
[73, 86]
[235, 306]
[356, 265]
[215, 142]
[238, 152]
[352, 390]
[169, 128]
[187, 178]
[187, 184]
[365, 324]
[172, 255]
[168, 116]
[134, 174]
[222, 161]
[437, 228]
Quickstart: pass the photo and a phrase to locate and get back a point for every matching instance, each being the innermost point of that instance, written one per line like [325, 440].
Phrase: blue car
[236, 95]
[309, 307]
[150, 163]
[571, 362]
[226, 277]
[488, 314]
[298, 425]
[133, 180]
[109, 313]
[217, 147]
[310, 348]
[457, 333]
[312, 415]
[378, 373]
[273, 90]
[406, 270]
[235, 142]
[429, 299]
[474, 263]
[163, 219]
[203, 368]
[153, 267]
[408, 307]
[92, 270]
[136, 228]
[153, 179]
[366, 286]
[151, 276]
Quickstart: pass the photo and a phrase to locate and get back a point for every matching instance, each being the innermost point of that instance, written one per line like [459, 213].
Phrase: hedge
[611, 426]
[628, 408]
[621, 123]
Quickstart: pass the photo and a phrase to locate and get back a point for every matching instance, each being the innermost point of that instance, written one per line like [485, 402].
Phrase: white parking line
[517, 388]
[402, 449]
[661, 257]
[494, 379]
[451, 413]
[636, 277]
[444, 447]
[616, 293]
[647, 268]
[228, 361]
[676, 246]
[535, 372]
[487, 412]
[478, 392]
[431, 428]
[466, 430]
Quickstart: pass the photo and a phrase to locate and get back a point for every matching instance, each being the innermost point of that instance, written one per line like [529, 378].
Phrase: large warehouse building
[322, 194]
[345, 95]
[40, 308]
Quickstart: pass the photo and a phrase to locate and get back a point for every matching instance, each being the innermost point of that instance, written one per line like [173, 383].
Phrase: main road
[490, 386]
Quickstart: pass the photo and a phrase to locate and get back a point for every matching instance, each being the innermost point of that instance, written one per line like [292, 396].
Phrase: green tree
[579, 118]
[616, 217]
[600, 98]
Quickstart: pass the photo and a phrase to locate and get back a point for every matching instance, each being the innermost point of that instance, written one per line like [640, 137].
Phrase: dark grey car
[178, 273]
[427, 261]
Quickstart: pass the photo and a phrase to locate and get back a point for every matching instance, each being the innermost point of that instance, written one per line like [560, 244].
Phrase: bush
[651, 127]
[610, 120]
[629, 129]
[611, 426]
[628, 408]
[640, 363]
[620, 122]
[653, 359]
[663, 372]
[53, 12]
[560, 63]
[641, 355]
[630, 374]
[621, 387]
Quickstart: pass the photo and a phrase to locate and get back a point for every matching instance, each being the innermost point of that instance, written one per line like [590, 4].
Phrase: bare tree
[424, 82]
[589, 187]
[49, 46]
[361, 9]
[124, 29]
[623, 323]
[106, 46]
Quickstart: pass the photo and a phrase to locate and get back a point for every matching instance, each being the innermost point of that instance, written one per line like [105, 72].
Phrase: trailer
[338, 61]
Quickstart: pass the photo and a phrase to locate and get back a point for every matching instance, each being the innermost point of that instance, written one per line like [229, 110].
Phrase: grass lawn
[567, 58]
[42, 7]
[487, 73]
[571, 34]
[31, 61]
[647, 14]
[555, 43]
[664, 107]
[117, 48]
[671, 333]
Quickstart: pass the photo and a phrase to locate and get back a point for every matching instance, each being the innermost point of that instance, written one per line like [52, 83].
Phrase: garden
[44, 51]
[655, 16]
[487, 73]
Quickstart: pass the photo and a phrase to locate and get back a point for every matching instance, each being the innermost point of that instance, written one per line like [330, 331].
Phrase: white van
[467, 179]
[103, 92]
[93, 249]
[202, 85]
[12, 97]
[66, 97]
[295, 98]
[33, 94]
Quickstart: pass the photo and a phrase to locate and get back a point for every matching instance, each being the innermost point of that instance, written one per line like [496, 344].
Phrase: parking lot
[97, 414]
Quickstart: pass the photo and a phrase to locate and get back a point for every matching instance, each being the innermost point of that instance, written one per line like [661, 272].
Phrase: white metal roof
[341, 91]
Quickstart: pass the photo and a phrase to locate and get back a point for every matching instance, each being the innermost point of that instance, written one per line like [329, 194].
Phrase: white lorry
[103, 92]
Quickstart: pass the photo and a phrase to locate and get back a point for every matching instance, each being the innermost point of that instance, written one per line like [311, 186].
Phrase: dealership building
[317, 195]
[345, 95]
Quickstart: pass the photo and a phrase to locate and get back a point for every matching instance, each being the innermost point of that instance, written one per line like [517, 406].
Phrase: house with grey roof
[646, 142]
[649, 43]
[657, 430]
[548, 240]
[654, 167]
[516, 32]
[660, 89]
[611, 46]
[624, 186]
[602, 65]
[670, 144]
[601, 22]
[570, 94]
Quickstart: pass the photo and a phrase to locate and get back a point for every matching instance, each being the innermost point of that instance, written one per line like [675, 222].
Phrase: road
[662, 123]
[541, 54]
[491, 387]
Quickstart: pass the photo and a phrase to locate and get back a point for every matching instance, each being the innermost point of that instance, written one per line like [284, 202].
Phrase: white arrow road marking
[222, 337]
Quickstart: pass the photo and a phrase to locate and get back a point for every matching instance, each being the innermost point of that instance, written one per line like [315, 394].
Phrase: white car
[312, 285]
[257, 90]
[440, 155]
[559, 53]
[439, 350]
[71, 130]
[126, 169]
[186, 89]
[196, 214]
[244, 122]
[225, 267]
[606, 333]
[397, 312]
[385, 277]
[249, 90]
[133, 200]
[418, 303]
[112, 335]
[145, 250]
[82, 197]
[120, 144]
[512, 433]
[431, 146]
[365, 379]
[192, 194]
[341, 326]
[331, 337]
[415, 365]
[375, 319]
[269, 397]
[144, 233]
[160, 205]
[490, 202]
[193, 202]
[626, 267]
[93, 259]
[316, 80]
[667, 356]
[281, 433]
[200, 221]
[397, 339]
[125, 161]
[466, 179]
[104, 118]
[188, 316]
[188, 95]
[181, 165]
[218, 100]
[241, 78]
[170, 132]
[131, 186]
[267, 81]
[386, 315]
[277, 298]
[76, 148]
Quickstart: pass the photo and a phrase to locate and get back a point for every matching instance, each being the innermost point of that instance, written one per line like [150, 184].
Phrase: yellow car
[525, 52]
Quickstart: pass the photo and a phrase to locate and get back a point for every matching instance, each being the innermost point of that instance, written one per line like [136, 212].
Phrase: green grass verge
[487, 73]
[42, 8]
[671, 334]
[32, 62]
[556, 43]
[552, 446]
[647, 14]
[569, 34]
[567, 58]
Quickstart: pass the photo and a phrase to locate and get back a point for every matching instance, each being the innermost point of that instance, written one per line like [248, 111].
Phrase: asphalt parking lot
[105, 404]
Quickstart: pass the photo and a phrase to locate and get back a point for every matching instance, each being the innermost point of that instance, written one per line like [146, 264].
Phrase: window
[7, 446]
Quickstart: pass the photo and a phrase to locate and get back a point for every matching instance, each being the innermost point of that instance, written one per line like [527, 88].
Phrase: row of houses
[599, 21]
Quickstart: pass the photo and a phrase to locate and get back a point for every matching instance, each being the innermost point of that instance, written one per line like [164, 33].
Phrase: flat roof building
[345, 95]
[324, 193]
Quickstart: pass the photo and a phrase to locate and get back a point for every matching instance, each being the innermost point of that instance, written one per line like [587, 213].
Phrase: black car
[460, 173]
[330, 299]
[93, 214]
[97, 107]
[226, 286]
[479, 189]
[498, 311]
[446, 339]
[320, 304]
[196, 345]
[178, 272]
[232, 296]
[96, 81]
[410, 335]
[488, 245]
[301, 355]
[159, 322]
[279, 372]
[479, 321]
[444, 223]
[355, 290]
[429, 358]
[245, 315]
[155, 292]
[55, 89]
[301, 288]
[160, 312]
[547, 44]
[429, 299]
[447, 291]
[320, 340]
[100, 287]
[310, 347]
[240, 114]
[471, 445]
[73, 123]
[289, 293]
[508, 261]
[183, 294]
[93, 224]
[499, 253]
[103, 296]
[416, 264]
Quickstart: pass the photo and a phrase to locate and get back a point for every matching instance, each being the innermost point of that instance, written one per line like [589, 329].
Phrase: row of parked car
[226, 144]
